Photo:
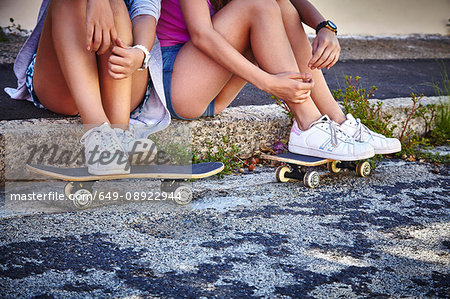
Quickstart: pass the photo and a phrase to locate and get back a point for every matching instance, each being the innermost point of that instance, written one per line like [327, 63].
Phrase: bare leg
[232, 88]
[301, 46]
[117, 94]
[197, 79]
[69, 82]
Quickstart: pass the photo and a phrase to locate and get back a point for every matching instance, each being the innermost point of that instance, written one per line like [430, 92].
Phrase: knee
[118, 8]
[122, 20]
[267, 8]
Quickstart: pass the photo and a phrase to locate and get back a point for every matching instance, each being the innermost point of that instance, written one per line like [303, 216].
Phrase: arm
[125, 60]
[286, 86]
[308, 13]
[325, 47]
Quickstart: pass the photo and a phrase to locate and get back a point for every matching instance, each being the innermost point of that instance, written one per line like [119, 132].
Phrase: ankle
[339, 118]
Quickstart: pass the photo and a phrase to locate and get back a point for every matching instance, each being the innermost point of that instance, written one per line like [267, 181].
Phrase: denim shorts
[169, 54]
[29, 83]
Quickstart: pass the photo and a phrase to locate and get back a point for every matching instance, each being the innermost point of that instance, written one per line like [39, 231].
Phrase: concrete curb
[247, 127]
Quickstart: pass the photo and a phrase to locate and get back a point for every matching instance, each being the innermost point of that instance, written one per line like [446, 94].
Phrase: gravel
[246, 235]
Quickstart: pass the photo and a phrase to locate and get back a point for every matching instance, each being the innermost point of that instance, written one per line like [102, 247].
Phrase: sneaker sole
[388, 151]
[315, 153]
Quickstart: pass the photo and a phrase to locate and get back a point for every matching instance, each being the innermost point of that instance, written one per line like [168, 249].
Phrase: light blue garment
[154, 115]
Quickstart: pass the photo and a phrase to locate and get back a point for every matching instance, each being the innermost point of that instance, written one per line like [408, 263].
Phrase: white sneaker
[380, 143]
[325, 139]
[103, 151]
[140, 151]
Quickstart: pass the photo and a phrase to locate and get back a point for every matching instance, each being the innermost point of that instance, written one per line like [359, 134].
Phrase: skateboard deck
[80, 182]
[175, 172]
[302, 160]
[298, 167]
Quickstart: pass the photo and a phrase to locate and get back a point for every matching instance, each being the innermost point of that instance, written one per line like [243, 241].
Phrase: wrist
[264, 82]
[139, 57]
[328, 25]
[145, 55]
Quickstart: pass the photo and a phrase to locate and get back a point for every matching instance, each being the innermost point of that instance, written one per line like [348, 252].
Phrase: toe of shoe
[389, 146]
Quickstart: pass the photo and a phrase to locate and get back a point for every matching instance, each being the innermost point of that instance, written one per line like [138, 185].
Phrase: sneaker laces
[104, 138]
[126, 137]
[360, 128]
[335, 130]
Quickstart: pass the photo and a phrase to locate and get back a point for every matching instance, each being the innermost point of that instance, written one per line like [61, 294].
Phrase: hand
[291, 87]
[325, 51]
[124, 60]
[100, 28]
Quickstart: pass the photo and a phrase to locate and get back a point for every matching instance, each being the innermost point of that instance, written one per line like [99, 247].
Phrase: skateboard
[299, 167]
[173, 178]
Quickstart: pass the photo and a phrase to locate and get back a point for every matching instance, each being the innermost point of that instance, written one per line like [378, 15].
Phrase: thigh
[197, 79]
[48, 80]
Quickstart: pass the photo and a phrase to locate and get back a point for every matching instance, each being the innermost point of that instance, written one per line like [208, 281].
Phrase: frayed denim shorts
[169, 54]
[29, 83]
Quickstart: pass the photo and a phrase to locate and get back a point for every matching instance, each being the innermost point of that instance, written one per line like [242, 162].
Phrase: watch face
[332, 25]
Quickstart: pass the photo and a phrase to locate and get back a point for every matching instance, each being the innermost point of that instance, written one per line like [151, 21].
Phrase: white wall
[387, 17]
[353, 17]
[24, 12]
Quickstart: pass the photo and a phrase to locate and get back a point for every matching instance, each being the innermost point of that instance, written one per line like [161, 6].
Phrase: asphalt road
[394, 78]
[243, 236]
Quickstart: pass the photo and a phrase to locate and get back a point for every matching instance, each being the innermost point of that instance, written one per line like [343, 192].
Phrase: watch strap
[327, 25]
[146, 61]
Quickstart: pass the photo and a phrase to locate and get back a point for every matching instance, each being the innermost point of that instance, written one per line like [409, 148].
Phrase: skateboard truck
[182, 192]
[299, 167]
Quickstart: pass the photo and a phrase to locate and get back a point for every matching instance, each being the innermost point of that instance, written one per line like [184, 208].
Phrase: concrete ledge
[245, 126]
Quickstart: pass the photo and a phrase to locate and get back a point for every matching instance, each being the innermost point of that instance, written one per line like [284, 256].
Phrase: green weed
[285, 107]
[226, 152]
[355, 100]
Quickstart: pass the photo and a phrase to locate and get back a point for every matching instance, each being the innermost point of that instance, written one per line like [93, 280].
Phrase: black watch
[327, 24]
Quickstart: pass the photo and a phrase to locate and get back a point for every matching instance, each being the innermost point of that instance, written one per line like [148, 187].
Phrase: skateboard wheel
[311, 179]
[79, 193]
[82, 198]
[332, 166]
[69, 189]
[363, 169]
[183, 195]
[280, 174]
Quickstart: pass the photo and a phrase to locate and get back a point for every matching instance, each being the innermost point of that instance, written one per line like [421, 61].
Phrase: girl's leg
[120, 97]
[66, 74]
[197, 79]
[301, 46]
[231, 88]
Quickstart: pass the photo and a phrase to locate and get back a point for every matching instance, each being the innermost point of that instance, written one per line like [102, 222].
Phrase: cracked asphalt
[243, 236]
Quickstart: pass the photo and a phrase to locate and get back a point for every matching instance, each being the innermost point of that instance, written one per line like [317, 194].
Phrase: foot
[325, 139]
[104, 152]
[140, 151]
[380, 143]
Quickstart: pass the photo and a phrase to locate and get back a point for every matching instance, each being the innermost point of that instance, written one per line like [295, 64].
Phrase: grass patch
[355, 100]
[225, 152]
